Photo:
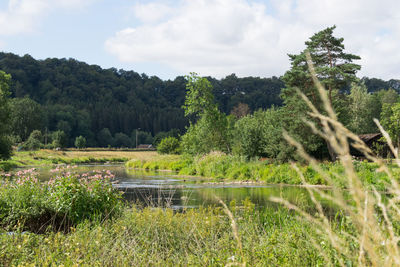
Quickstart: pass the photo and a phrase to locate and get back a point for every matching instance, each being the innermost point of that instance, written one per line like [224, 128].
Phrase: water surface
[168, 189]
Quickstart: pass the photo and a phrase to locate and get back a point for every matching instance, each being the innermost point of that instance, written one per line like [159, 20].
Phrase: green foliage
[390, 119]
[169, 145]
[80, 142]
[389, 96]
[64, 201]
[335, 70]
[60, 139]
[196, 237]
[161, 135]
[142, 137]
[5, 147]
[259, 135]
[213, 129]
[26, 116]
[374, 84]
[122, 140]
[5, 142]
[34, 141]
[212, 132]
[199, 97]
[104, 138]
[361, 113]
[221, 167]
[82, 99]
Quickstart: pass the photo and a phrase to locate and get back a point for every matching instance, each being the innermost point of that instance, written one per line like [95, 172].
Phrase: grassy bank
[156, 237]
[228, 168]
[51, 157]
[81, 219]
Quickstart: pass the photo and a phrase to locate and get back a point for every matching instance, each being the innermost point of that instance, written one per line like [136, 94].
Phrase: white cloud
[219, 37]
[23, 16]
[152, 12]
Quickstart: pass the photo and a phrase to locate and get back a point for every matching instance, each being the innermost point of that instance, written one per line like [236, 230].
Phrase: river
[169, 190]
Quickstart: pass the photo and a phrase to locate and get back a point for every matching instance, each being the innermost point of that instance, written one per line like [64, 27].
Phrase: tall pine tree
[335, 70]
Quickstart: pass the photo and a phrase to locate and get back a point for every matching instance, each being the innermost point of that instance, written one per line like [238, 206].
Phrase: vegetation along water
[231, 147]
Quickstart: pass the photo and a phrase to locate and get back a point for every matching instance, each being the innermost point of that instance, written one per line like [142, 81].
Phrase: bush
[122, 140]
[60, 139]
[259, 135]
[80, 142]
[34, 141]
[5, 147]
[169, 145]
[62, 202]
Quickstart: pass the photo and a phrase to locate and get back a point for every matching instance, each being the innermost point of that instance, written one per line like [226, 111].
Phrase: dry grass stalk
[235, 232]
[372, 217]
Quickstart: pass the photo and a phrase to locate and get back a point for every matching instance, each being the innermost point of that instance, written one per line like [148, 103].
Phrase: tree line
[68, 98]
[260, 133]
[64, 102]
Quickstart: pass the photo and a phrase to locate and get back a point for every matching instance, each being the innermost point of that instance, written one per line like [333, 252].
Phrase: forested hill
[83, 99]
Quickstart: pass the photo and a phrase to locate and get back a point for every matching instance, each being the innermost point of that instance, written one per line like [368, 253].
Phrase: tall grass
[158, 237]
[218, 166]
[373, 238]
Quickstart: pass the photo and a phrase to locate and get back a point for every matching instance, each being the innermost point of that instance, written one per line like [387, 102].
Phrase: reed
[374, 216]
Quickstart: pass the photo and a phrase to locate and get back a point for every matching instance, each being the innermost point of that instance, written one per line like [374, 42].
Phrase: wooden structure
[145, 146]
[370, 139]
[375, 143]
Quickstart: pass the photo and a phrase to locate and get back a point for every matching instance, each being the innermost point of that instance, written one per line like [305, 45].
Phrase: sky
[211, 37]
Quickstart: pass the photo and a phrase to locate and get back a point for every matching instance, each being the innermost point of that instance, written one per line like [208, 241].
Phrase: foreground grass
[81, 219]
[157, 237]
[49, 157]
[227, 168]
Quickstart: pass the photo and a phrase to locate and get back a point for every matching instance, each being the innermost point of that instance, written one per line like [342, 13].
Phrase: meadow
[47, 157]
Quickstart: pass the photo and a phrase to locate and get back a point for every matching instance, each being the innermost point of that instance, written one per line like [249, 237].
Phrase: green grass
[228, 168]
[51, 157]
[157, 237]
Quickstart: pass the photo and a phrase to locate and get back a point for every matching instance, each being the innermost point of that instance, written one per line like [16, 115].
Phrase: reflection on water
[165, 189]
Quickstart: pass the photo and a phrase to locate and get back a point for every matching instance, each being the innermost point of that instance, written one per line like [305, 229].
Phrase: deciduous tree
[212, 129]
[390, 119]
[26, 116]
[5, 143]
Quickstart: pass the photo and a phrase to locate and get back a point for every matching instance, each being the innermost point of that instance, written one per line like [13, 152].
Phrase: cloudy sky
[211, 37]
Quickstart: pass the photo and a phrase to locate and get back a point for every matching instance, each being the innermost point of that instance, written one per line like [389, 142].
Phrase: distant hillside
[84, 99]
[374, 84]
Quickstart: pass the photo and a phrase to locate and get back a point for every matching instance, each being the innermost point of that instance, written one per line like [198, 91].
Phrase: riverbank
[45, 157]
[81, 219]
[157, 237]
[221, 168]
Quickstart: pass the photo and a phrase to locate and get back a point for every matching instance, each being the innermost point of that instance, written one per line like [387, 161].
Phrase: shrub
[169, 145]
[62, 202]
[60, 139]
[34, 141]
[80, 142]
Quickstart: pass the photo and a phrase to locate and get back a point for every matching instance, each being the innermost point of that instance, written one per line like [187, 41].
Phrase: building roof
[145, 146]
[369, 137]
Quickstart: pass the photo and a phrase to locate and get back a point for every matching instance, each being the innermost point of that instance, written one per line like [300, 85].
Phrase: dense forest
[65, 98]
[82, 99]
